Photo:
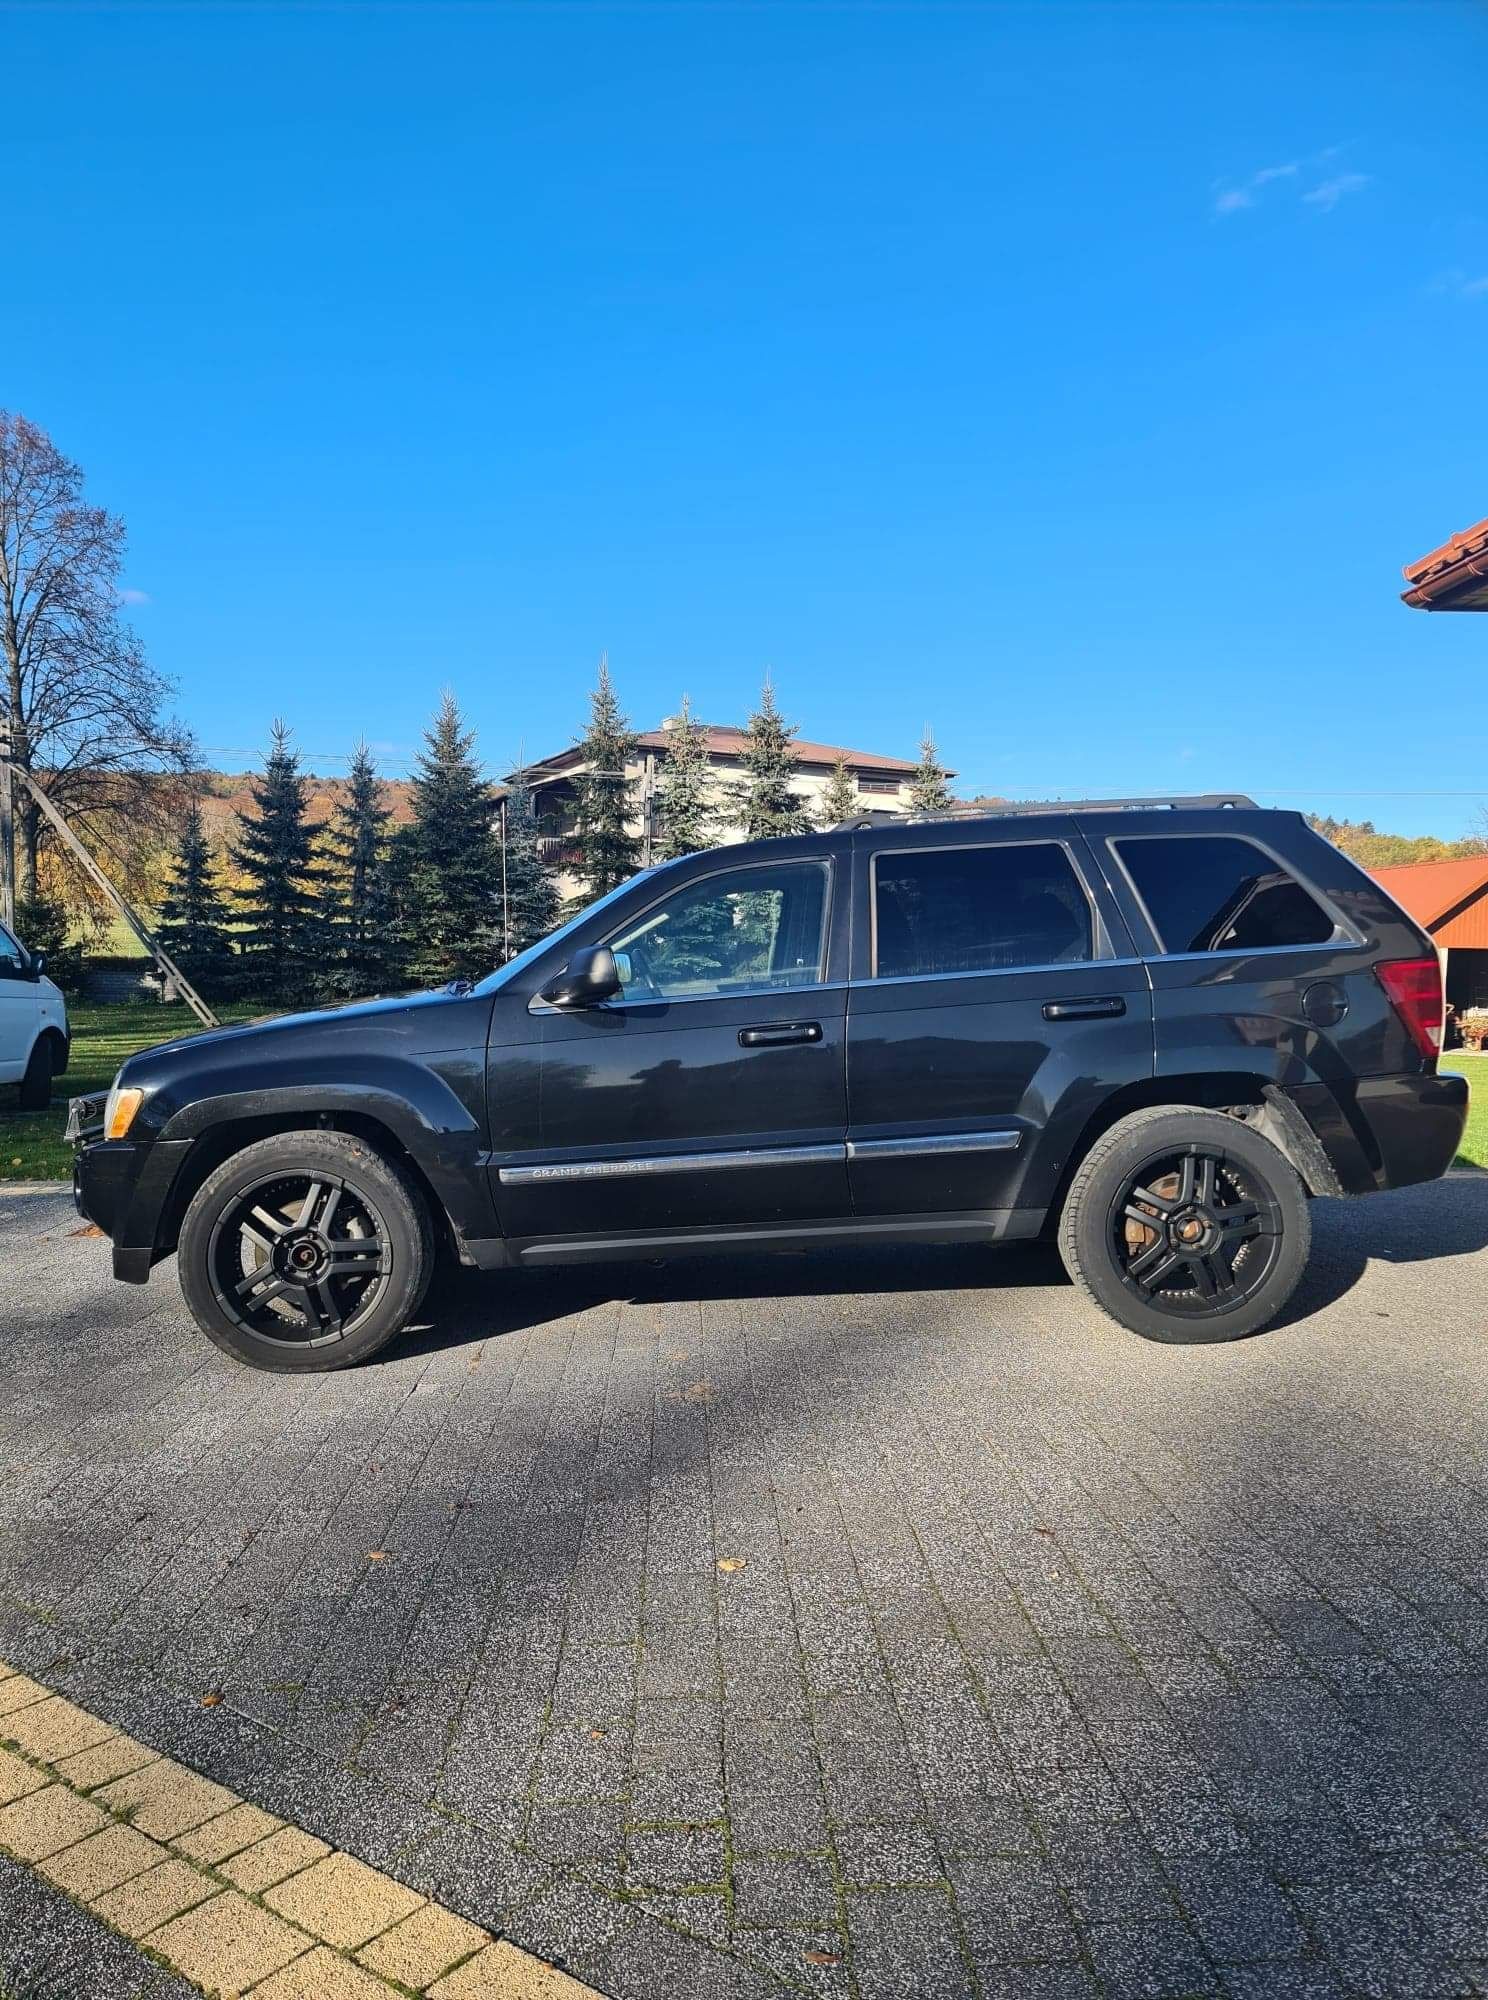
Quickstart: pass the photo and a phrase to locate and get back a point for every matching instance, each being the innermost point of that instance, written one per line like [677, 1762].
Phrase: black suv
[1152, 1027]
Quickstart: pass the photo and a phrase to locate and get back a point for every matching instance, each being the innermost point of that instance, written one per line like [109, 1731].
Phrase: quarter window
[750, 930]
[977, 909]
[1213, 893]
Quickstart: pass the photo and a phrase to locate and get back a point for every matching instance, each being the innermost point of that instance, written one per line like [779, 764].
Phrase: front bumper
[123, 1188]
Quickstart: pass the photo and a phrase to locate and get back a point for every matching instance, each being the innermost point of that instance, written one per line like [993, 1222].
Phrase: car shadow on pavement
[1439, 1220]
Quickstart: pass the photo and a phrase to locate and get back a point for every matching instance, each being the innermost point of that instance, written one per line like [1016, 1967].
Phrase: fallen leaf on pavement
[728, 1564]
[88, 1229]
[212, 1700]
[820, 1957]
[377, 1555]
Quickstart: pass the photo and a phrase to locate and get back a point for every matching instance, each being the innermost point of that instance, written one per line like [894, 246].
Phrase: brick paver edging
[230, 1897]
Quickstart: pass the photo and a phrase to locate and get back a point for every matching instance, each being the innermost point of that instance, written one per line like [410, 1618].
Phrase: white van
[33, 1024]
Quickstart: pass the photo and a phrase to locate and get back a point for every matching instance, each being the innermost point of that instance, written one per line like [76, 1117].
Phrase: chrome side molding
[1003, 1140]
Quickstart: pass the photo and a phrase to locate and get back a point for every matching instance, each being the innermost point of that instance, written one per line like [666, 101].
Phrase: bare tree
[83, 704]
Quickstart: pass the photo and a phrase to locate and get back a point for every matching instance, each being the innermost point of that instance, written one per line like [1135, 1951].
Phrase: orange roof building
[1450, 900]
[1453, 577]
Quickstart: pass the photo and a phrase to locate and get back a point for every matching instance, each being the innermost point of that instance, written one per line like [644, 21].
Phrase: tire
[1171, 1203]
[36, 1084]
[306, 1252]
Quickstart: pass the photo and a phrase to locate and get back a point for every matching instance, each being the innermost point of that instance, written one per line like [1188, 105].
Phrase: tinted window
[1210, 894]
[751, 928]
[977, 909]
[12, 958]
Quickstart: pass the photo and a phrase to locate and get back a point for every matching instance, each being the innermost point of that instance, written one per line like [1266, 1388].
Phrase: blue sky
[1074, 377]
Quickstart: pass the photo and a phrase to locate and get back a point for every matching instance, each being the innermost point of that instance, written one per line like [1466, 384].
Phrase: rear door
[996, 999]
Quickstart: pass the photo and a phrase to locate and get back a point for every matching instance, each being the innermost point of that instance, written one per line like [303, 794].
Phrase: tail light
[1413, 987]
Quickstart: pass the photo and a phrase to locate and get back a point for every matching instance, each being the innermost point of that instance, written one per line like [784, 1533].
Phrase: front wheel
[1185, 1225]
[36, 1084]
[305, 1252]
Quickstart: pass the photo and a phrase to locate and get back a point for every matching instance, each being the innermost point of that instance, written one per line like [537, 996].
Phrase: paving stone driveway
[876, 1626]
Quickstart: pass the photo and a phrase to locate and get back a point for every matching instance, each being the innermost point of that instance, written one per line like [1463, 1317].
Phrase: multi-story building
[882, 784]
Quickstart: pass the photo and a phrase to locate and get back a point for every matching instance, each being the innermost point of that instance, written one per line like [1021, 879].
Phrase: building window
[890, 785]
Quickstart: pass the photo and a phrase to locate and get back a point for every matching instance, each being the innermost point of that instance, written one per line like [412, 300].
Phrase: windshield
[494, 981]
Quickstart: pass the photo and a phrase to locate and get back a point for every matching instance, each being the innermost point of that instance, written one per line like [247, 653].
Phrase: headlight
[119, 1110]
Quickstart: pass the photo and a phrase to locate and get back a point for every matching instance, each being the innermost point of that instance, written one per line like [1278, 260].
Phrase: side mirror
[590, 976]
[37, 965]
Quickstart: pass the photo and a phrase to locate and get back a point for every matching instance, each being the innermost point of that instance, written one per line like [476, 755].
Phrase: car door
[19, 1009]
[995, 1001]
[710, 1093]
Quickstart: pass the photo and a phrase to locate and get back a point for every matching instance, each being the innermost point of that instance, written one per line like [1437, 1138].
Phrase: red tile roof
[1453, 577]
[1431, 891]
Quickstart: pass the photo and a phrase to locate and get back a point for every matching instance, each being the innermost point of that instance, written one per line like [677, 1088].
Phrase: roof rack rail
[1010, 808]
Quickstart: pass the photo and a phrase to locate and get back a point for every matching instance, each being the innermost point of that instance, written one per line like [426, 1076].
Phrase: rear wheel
[1185, 1225]
[36, 1084]
[305, 1252]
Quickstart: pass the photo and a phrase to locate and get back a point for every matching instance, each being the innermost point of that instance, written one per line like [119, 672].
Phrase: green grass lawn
[31, 1144]
[1475, 1139]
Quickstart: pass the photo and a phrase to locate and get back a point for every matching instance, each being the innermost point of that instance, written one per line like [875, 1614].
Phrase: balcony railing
[558, 850]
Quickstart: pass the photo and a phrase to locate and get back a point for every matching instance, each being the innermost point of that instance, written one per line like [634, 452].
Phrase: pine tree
[366, 950]
[768, 805]
[609, 852]
[686, 808]
[839, 800]
[928, 790]
[531, 894]
[280, 905]
[193, 924]
[455, 906]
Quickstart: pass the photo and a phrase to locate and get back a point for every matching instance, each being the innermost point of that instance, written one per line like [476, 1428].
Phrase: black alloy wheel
[1186, 1225]
[299, 1257]
[1194, 1232]
[306, 1251]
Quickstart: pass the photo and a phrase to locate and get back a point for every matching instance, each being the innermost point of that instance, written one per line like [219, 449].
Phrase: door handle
[779, 1034]
[1084, 1010]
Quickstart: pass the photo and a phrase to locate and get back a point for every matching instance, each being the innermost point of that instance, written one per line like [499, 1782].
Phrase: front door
[996, 1001]
[711, 1092]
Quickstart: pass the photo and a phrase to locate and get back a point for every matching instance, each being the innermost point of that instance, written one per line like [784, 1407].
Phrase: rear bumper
[1388, 1131]
[123, 1189]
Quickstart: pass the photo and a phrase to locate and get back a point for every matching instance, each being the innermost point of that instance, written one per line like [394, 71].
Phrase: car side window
[1207, 892]
[977, 909]
[743, 931]
[12, 958]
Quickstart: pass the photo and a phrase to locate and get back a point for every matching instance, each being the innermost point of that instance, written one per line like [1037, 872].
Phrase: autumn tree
[609, 851]
[455, 911]
[194, 918]
[686, 803]
[768, 803]
[530, 899]
[839, 799]
[929, 789]
[280, 881]
[84, 708]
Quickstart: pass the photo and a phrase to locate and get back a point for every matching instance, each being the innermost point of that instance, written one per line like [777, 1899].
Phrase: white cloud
[1456, 284]
[1230, 197]
[1327, 194]
[134, 597]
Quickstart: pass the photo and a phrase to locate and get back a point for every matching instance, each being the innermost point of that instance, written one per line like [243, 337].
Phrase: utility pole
[7, 830]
